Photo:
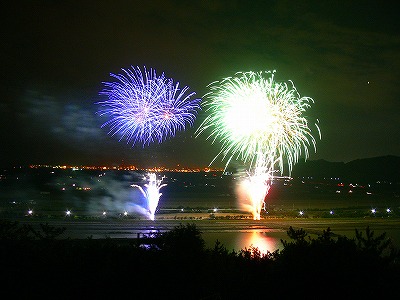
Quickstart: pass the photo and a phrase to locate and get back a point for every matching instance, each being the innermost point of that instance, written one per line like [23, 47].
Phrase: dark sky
[54, 56]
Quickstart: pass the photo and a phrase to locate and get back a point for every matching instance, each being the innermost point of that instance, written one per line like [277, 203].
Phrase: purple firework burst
[145, 108]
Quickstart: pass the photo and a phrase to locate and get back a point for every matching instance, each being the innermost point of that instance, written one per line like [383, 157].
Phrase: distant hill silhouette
[382, 168]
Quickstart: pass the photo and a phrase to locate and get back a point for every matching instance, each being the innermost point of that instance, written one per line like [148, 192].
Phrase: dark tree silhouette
[179, 266]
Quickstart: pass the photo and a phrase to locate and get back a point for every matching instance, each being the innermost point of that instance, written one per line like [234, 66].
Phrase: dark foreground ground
[175, 264]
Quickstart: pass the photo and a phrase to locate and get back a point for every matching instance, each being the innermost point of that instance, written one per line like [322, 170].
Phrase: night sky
[54, 56]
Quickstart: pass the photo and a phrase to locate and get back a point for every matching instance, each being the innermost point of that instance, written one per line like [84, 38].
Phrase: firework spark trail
[152, 193]
[260, 122]
[145, 108]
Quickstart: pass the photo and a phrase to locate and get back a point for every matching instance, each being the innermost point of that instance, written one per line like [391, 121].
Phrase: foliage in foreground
[177, 264]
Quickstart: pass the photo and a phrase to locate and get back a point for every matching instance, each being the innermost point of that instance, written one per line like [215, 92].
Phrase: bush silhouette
[179, 266]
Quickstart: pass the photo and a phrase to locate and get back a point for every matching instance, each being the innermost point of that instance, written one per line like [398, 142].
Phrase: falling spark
[259, 121]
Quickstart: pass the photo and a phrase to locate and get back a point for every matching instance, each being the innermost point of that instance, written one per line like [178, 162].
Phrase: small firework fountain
[260, 122]
[147, 108]
[152, 193]
[256, 187]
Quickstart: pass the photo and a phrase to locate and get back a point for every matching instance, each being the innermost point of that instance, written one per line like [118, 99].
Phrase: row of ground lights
[301, 212]
[373, 211]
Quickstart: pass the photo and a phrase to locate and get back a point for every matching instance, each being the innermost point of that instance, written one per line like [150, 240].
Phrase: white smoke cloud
[107, 192]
